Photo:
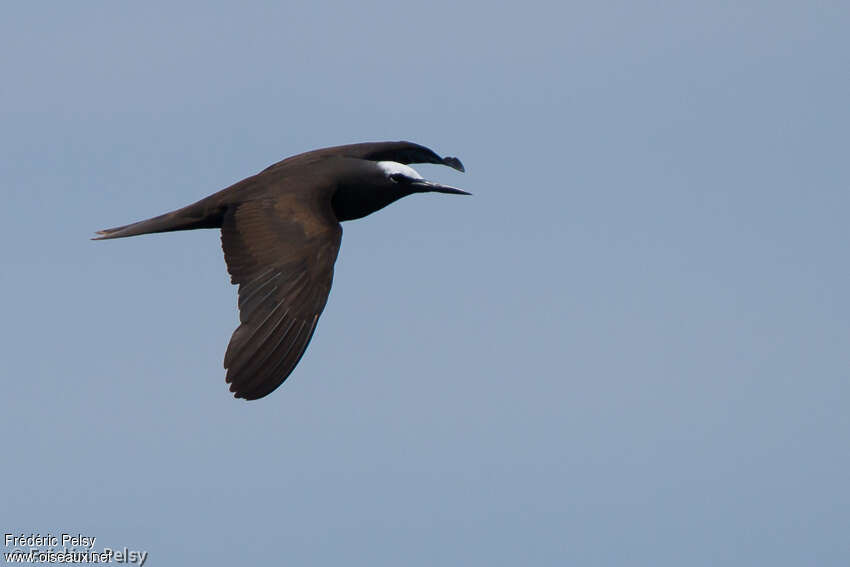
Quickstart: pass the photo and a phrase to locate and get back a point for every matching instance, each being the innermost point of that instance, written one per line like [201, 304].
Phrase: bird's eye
[398, 177]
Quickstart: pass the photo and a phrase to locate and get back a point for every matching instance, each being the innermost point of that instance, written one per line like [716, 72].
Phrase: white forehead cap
[393, 167]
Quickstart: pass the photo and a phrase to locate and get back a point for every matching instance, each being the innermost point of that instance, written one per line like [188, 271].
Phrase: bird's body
[280, 233]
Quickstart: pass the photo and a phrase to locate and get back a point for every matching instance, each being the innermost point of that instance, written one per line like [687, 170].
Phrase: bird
[281, 233]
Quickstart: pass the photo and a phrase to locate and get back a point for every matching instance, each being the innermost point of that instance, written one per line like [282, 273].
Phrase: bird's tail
[197, 215]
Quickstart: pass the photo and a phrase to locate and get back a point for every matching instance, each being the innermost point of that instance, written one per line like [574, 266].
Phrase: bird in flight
[280, 231]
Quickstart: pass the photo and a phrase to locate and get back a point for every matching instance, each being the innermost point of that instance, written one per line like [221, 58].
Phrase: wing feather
[281, 253]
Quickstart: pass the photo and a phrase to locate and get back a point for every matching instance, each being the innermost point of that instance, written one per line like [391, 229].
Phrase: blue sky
[629, 347]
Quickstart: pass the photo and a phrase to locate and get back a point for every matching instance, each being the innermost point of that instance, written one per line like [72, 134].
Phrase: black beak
[423, 186]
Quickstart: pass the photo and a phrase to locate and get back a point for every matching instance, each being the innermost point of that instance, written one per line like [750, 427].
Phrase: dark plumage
[280, 233]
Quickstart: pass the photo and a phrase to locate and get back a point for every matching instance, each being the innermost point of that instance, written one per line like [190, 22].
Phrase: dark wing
[402, 152]
[281, 253]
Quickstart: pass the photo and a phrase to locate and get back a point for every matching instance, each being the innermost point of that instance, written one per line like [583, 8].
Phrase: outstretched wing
[402, 152]
[281, 252]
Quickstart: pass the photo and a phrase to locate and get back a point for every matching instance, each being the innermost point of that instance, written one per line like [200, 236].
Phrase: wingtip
[247, 396]
[236, 391]
[454, 163]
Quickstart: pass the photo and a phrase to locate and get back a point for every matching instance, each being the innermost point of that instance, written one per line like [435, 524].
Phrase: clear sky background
[630, 347]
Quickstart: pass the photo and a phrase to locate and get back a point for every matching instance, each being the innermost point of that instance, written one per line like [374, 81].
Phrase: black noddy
[280, 231]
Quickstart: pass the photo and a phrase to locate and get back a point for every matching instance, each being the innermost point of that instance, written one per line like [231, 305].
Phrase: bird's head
[376, 184]
[408, 179]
